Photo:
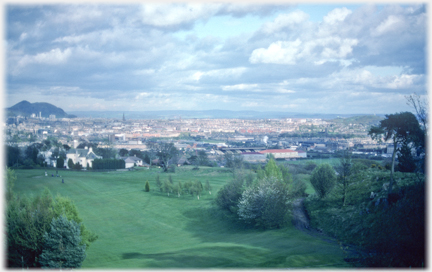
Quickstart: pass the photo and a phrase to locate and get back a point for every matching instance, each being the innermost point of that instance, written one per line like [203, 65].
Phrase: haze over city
[338, 58]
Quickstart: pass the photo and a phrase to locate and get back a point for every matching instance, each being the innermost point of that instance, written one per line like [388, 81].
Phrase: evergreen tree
[70, 164]
[60, 163]
[147, 186]
[62, 246]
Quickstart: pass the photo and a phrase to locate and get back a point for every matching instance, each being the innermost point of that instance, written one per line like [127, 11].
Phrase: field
[140, 229]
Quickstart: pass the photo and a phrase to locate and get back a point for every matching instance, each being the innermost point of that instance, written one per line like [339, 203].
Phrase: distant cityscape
[253, 139]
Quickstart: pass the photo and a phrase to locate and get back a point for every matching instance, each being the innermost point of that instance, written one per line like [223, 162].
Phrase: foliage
[60, 163]
[108, 164]
[27, 221]
[264, 205]
[62, 245]
[234, 161]
[406, 159]
[228, 196]
[323, 179]
[70, 164]
[401, 128]
[13, 154]
[159, 183]
[166, 152]
[272, 170]
[123, 152]
[147, 186]
[393, 232]
[208, 187]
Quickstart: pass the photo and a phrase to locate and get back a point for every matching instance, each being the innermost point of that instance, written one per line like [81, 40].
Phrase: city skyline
[347, 59]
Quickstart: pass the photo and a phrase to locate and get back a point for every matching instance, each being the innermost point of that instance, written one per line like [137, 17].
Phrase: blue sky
[317, 58]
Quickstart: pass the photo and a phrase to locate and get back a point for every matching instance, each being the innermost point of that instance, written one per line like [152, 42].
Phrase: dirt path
[301, 221]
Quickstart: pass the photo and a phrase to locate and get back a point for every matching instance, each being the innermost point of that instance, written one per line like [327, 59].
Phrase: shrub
[264, 205]
[147, 187]
[323, 179]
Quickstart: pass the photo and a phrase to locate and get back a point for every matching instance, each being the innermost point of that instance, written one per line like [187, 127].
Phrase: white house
[132, 161]
[83, 156]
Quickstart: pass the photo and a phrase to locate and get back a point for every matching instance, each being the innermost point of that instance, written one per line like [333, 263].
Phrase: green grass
[151, 230]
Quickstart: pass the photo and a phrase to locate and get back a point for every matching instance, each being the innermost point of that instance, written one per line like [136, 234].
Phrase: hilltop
[362, 119]
[25, 108]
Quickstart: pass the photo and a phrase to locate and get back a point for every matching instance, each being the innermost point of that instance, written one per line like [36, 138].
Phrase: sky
[304, 58]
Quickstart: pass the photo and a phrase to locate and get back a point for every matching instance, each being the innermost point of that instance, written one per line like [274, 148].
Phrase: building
[84, 156]
[281, 153]
[132, 161]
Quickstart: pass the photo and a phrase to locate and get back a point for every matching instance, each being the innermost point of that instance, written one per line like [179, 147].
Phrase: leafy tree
[136, 152]
[159, 183]
[62, 245]
[228, 196]
[323, 179]
[272, 170]
[208, 187]
[234, 161]
[264, 205]
[166, 152]
[147, 186]
[400, 127]
[167, 187]
[203, 158]
[123, 152]
[13, 155]
[66, 147]
[344, 169]
[178, 188]
[65, 206]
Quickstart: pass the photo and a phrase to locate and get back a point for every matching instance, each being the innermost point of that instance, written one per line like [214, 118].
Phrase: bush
[147, 187]
[264, 205]
[323, 179]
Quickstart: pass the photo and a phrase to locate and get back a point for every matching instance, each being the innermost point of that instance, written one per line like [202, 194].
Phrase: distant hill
[25, 108]
[173, 114]
[363, 119]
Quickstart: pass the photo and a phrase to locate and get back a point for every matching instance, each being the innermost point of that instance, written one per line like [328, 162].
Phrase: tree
[406, 159]
[159, 183]
[208, 187]
[123, 152]
[323, 179]
[400, 127]
[166, 152]
[234, 161]
[147, 186]
[264, 205]
[13, 155]
[203, 158]
[167, 187]
[62, 245]
[70, 164]
[344, 169]
[60, 163]
[272, 170]
[228, 196]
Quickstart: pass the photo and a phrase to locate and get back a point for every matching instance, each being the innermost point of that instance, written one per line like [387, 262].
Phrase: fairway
[140, 229]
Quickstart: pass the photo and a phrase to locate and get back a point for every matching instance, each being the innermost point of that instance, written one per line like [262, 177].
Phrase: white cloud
[239, 87]
[289, 20]
[279, 52]
[178, 13]
[337, 15]
[392, 23]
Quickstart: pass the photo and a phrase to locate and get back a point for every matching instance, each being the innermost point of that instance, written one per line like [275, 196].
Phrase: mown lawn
[140, 229]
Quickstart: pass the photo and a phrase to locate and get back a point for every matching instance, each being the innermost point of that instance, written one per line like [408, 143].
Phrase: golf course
[140, 230]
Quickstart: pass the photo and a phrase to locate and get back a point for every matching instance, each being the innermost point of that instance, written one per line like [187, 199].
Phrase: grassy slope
[151, 230]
